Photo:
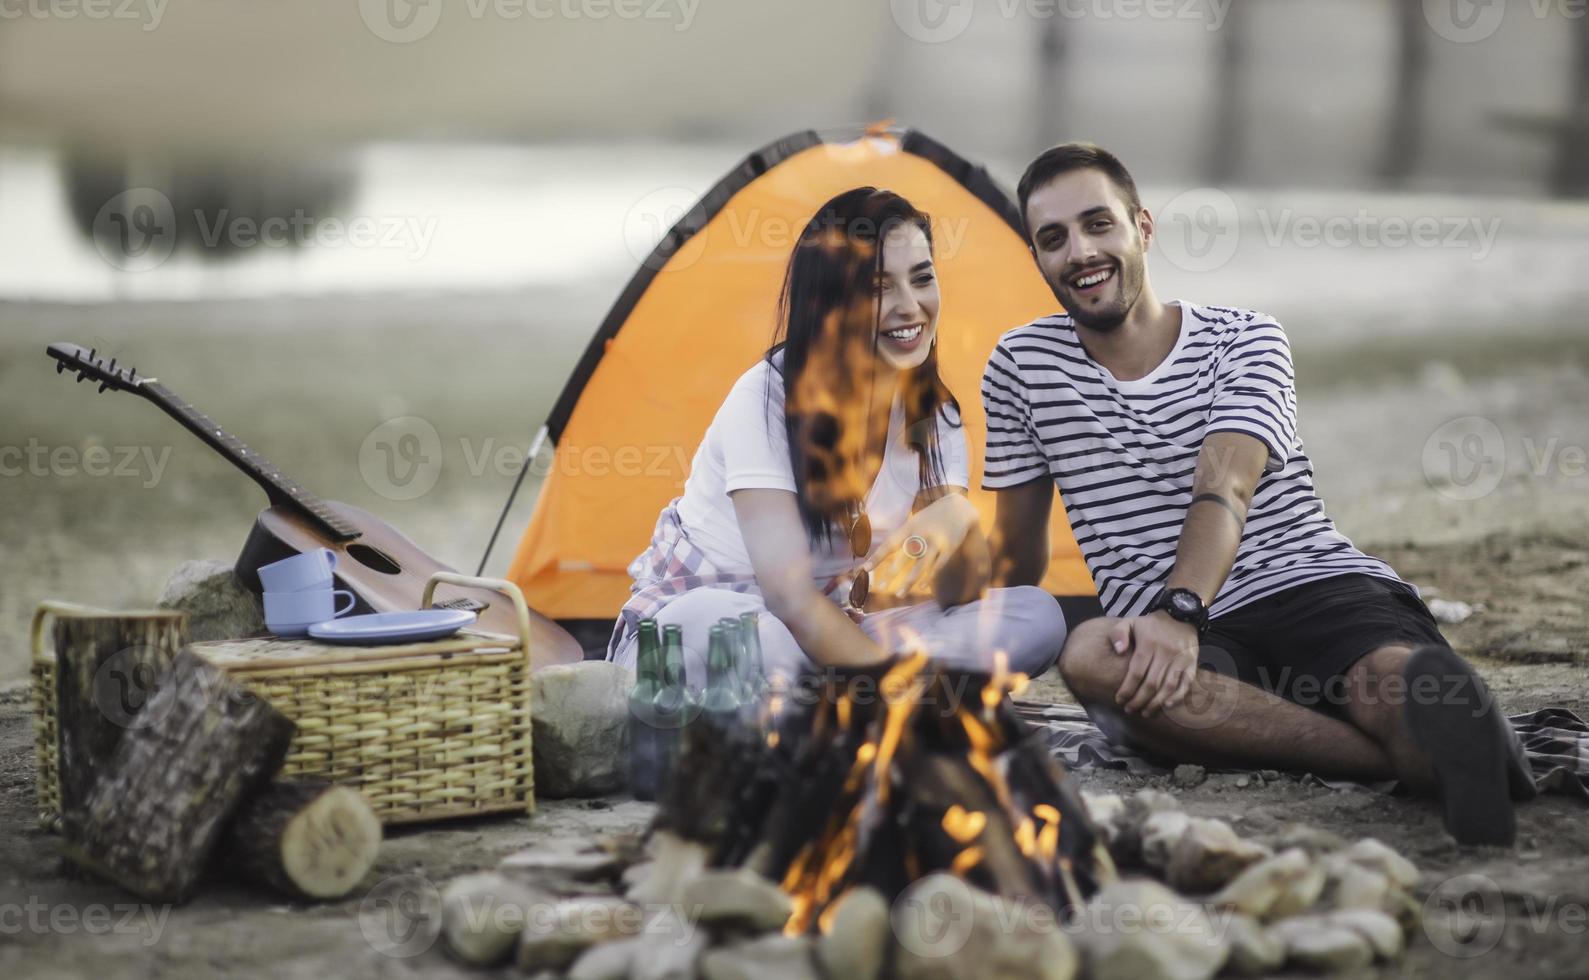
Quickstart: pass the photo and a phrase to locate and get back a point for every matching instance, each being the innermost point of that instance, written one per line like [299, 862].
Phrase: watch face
[1184, 603]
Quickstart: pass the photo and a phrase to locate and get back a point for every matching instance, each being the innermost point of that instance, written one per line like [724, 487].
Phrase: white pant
[1023, 621]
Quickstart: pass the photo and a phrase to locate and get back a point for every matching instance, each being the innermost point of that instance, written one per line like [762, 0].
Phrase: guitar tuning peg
[82, 376]
[91, 351]
[113, 364]
[102, 386]
[60, 366]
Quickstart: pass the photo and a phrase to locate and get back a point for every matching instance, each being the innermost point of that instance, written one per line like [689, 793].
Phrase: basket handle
[60, 607]
[503, 586]
[56, 607]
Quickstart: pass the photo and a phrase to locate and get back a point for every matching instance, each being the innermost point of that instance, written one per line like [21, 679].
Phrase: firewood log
[303, 839]
[105, 669]
[158, 807]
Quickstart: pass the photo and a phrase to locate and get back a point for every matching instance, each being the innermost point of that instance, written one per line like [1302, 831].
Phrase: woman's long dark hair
[828, 318]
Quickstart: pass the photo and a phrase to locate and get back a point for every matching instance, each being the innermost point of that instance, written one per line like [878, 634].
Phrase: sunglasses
[860, 544]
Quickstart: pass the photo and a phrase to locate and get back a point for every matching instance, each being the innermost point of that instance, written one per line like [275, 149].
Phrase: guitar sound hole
[374, 559]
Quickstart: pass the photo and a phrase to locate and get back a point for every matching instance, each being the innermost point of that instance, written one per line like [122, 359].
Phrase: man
[1170, 429]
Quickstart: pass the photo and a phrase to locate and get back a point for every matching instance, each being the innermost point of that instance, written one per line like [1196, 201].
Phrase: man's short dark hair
[1066, 157]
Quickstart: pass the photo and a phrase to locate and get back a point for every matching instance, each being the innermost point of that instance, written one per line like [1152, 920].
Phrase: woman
[828, 495]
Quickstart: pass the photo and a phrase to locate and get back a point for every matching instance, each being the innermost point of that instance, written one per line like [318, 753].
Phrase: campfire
[880, 778]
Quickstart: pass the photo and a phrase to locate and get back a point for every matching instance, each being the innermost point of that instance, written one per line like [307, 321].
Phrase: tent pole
[529, 457]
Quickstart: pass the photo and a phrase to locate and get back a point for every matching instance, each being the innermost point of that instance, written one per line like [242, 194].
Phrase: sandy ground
[1398, 474]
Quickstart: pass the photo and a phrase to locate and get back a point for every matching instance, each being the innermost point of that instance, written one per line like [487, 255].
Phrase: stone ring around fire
[915, 546]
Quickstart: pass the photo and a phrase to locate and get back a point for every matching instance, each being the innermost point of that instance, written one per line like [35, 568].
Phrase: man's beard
[1128, 286]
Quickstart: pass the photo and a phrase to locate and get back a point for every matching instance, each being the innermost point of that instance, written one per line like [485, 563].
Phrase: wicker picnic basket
[425, 731]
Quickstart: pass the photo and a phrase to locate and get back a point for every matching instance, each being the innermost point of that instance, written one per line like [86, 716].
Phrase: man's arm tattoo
[1241, 519]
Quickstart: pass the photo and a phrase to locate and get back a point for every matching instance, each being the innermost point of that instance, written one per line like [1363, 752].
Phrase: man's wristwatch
[1183, 605]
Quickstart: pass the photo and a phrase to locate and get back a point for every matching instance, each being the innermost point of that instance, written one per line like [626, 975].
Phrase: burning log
[879, 778]
[304, 839]
[158, 807]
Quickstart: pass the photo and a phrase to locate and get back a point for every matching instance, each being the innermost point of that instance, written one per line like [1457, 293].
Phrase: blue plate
[393, 627]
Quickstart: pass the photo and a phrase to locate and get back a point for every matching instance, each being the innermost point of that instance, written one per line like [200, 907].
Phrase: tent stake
[534, 451]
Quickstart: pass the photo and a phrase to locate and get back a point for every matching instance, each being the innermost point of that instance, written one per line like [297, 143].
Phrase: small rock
[945, 929]
[739, 897]
[636, 873]
[671, 949]
[1207, 855]
[1106, 810]
[1449, 611]
[1244, 780]
[1160, 831]
[554, 937]
[772, 957]
[1313, 943]
[1269, 775]
[1353, 886]
[1260, 888]
[1187, 776]
[675, 862]
[1136, 929]
[218, 606]
[611, 960]
[857, 937]
[1253, 951]
[1382, 932]
[580, 721]
[1301, 893]
[1374, 853]
[483, 914]
[1126, 842]
[556, 862]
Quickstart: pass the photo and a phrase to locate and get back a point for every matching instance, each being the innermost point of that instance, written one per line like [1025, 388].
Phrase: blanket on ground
[1556, 740]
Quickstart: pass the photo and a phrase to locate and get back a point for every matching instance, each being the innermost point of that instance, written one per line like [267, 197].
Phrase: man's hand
[1163, 654]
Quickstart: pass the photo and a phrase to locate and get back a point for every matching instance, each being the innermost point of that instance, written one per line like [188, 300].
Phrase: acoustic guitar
[383, 569]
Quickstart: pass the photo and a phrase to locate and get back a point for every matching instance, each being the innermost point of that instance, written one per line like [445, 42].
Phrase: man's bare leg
[1222, 721]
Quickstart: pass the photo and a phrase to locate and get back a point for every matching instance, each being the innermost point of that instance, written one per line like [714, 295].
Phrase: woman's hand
[914, 554]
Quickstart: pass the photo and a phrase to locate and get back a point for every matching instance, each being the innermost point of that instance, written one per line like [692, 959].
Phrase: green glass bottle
[720, 701]
[646, 739]
[674, 695]
[752, 670]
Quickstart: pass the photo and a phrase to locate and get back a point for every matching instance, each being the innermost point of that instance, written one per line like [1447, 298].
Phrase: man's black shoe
[1476, 757]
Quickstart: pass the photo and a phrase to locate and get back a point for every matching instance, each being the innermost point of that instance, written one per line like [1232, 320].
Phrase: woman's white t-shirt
[747, 448]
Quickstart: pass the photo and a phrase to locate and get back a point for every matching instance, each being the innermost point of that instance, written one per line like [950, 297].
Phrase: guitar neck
[282, 489]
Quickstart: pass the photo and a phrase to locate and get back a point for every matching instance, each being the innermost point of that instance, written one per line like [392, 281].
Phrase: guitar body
[386, 572]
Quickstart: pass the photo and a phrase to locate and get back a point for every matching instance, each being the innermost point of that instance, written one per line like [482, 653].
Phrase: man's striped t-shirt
[1123, 452]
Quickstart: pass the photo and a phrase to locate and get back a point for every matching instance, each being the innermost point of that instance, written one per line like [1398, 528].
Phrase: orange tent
[700, 311]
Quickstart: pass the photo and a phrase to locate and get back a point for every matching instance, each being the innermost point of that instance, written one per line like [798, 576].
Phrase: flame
[966, 860]
[962, 824]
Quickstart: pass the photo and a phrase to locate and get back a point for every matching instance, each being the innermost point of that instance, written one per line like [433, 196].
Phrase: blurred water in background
[1336, 266]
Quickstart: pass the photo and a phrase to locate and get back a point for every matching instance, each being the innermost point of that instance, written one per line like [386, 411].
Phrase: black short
[1298, 643]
